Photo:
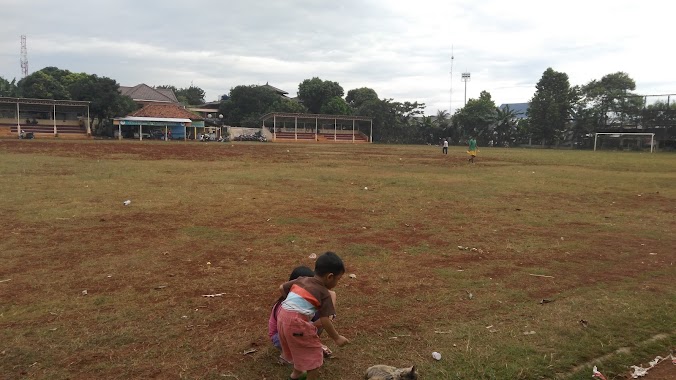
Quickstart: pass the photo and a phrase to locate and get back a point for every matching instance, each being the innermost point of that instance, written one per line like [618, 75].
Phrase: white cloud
[399, 48]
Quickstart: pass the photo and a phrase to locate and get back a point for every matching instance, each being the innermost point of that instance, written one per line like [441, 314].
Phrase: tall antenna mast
[450, 98]
[24, 57]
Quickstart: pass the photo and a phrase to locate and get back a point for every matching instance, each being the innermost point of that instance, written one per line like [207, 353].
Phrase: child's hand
[341, 341]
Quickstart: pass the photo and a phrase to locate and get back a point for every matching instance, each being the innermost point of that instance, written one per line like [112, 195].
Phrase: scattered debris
[584, 323]
[463, 248]
[366, 188]
[127, 202]
[443, 332]
[596, 373]
[159, 287]
[208, 262]
[352, 275]
[312, 256]
[653, 253]
[540, 275]
[249, 351]
[9, 279]
[436, 355]
[488, 327]
[544, 301]
[399, 336]
[469, 294]
[529, 332]
[84, 292]
[639, 371]
[213, 295]
[54, 329]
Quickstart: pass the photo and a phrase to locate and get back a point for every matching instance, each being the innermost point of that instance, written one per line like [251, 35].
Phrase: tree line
[558, 112]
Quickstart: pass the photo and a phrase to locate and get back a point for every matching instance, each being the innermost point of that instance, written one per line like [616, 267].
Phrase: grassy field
[592, 232]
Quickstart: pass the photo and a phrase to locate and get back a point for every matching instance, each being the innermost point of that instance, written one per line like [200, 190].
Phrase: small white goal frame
[652, 137]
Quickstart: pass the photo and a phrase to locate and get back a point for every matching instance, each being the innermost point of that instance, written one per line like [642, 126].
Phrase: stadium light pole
[465, 78]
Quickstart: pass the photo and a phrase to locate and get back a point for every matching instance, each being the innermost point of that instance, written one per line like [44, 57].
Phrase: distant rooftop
[143, 92]
[519, 109]
[275, 89]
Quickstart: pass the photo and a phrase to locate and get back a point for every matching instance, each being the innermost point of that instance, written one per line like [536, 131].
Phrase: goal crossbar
[652, 137]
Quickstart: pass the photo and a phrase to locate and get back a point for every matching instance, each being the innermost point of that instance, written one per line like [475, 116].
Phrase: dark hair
[329, 262]
[301, 271]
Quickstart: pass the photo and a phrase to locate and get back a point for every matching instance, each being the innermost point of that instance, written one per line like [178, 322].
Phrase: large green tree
[42, 85]
[550, 108]
[192, 95]
[336, 106]
[104, 95]
[506, 122]
[358, 96]
[395, 122]
[477, 118]
[246, 104]
[314, 93]
[287, 105]
[7, 88]
[611, 99]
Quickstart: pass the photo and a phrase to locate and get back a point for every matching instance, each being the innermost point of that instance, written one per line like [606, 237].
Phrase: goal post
[615, 134]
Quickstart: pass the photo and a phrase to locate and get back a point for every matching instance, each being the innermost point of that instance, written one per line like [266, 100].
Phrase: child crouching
[304, 297]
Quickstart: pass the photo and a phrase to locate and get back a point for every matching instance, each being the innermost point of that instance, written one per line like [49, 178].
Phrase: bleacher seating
[341, 136]
[45, 129]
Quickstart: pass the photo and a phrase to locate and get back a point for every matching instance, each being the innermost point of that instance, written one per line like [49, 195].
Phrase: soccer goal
[635, 140]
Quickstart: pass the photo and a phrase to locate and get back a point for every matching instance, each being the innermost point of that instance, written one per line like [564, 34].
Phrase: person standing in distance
[472, 149]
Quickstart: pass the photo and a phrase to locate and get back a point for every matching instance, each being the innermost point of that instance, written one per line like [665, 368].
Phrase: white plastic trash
[127, 202]
[436, 355]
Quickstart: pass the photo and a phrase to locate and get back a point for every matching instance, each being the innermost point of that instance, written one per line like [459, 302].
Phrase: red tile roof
[166, 110]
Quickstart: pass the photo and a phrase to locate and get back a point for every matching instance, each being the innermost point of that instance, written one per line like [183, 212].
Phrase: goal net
[624, 141]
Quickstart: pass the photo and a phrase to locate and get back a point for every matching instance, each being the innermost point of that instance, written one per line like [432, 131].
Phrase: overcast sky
[401, 49]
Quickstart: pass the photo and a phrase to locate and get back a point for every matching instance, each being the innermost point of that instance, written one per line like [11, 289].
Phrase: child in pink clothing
[273, 334]
[305, 297]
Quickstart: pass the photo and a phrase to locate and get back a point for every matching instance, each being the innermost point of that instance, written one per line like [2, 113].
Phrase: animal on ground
[386, 372]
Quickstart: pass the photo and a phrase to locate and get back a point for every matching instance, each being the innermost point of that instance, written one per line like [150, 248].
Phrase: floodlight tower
[24, 57]
[465, 78]
[450, 98]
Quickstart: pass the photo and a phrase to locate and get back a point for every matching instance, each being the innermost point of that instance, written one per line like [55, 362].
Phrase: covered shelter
[318, 127]
[173, 127]
[159, 121]
[45, 116]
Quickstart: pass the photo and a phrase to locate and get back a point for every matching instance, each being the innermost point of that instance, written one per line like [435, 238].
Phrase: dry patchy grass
[235, 218]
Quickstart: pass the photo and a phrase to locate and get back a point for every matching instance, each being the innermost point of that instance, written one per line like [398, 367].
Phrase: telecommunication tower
[450, 98]
[24, 57]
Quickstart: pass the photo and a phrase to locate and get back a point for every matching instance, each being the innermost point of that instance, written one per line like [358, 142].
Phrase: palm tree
[442, 123]
[505, 125]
